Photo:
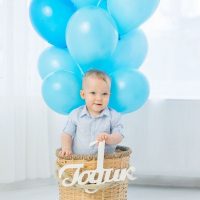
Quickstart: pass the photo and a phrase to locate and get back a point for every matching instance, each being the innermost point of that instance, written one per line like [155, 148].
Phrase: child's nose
[98, 97]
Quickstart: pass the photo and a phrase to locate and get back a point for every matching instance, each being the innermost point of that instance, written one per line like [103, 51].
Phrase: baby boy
[94, 121]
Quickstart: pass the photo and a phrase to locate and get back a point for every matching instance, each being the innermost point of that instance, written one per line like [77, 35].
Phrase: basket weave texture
[111, 191]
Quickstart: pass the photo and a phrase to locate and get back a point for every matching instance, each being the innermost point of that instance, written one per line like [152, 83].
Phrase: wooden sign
[104, 175]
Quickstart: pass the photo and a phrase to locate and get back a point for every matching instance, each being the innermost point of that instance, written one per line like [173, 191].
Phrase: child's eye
[92, 93]
[105, 94]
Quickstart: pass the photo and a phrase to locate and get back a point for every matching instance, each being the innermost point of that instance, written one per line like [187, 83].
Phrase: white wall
[165, 138]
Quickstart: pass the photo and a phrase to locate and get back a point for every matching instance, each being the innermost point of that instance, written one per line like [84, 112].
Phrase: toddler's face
[96, 93]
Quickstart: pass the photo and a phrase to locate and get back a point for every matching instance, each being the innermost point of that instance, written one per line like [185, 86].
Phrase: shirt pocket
[104, 125]
[83, 129]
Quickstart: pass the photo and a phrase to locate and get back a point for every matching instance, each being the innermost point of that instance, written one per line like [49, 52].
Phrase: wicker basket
[110, 191]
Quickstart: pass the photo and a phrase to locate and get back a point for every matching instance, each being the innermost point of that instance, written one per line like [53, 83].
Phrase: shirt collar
[84, 112]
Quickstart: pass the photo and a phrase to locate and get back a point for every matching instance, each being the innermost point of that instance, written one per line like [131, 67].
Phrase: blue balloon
[103, 4]
[130, 14]
[129, 90]
[50, 18]
[61, 91]
[91, 35]
[131, 51]
[53, 59]
[82, 3]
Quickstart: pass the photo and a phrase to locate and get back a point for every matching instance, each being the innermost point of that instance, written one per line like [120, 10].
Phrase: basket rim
[120, 152]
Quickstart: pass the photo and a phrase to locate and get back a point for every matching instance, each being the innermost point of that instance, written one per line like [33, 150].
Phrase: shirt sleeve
[70, 126]
[116, 123]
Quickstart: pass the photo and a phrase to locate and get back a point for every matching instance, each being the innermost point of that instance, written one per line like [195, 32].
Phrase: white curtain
[24, 144]
[27, 133]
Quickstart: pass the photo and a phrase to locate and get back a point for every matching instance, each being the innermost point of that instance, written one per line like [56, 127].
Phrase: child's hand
[65, 152]
[103, 136]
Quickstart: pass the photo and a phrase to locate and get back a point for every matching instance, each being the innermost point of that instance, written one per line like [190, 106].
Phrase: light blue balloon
[91, 35]
[103, 65]
[131, 51]
[50, 18]
[129, 90]
[130, 14]
[83, 3]
[61, 91]
[53, 59]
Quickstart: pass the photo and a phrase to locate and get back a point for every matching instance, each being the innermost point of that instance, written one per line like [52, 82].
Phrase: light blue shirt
[84, 128]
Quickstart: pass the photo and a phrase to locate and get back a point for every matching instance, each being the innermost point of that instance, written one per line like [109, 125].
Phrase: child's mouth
[98, 104]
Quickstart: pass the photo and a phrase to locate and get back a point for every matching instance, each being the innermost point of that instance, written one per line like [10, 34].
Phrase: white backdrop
[164, 134]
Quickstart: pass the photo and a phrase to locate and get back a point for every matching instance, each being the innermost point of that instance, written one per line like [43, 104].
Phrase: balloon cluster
[86, 34]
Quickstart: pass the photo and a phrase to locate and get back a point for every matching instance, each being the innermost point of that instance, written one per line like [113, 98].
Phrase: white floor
[49, 192]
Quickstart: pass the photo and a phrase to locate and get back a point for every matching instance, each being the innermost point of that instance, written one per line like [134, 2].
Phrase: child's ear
[82, 94]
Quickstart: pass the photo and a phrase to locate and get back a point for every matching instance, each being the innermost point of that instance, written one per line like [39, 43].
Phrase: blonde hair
[96, 74]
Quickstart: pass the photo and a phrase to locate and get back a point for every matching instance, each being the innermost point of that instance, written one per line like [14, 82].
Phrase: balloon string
[82, 73]
[99, 3]
[79, 67]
